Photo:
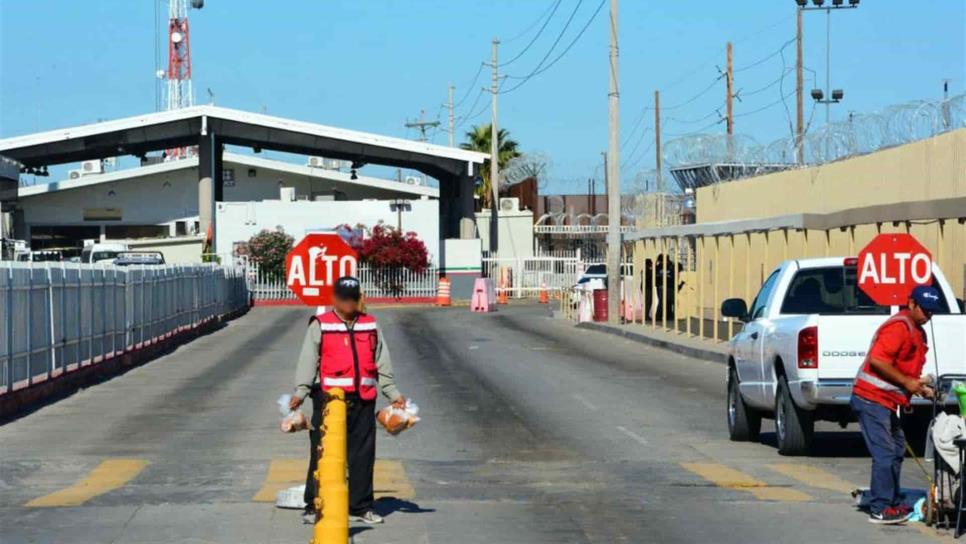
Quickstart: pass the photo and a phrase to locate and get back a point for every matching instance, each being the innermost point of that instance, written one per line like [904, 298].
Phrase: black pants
[360, 454]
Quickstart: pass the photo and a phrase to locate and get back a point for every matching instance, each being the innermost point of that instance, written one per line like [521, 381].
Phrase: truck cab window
[758, 305]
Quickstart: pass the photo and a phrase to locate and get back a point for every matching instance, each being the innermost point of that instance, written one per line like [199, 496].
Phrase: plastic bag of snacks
[396, 420]
[292, 420]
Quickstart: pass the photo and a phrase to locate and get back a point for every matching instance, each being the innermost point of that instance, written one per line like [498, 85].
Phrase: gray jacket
[307, 369]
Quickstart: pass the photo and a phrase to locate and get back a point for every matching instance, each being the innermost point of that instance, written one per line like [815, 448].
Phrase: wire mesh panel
[57, 317]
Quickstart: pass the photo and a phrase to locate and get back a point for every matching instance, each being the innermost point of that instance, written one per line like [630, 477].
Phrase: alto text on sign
[891, 265]
[315, 263]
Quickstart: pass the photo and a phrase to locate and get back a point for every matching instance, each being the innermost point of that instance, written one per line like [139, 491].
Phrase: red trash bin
[600, 304]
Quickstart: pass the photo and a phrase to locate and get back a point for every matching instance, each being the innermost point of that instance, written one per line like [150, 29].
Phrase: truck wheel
[793, 426]
[744, 423]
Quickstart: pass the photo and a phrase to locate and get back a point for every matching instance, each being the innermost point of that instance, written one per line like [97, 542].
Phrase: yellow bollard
[332, 500]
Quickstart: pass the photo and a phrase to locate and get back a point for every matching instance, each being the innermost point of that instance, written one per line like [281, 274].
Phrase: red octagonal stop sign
[314, 264]
[891, 266]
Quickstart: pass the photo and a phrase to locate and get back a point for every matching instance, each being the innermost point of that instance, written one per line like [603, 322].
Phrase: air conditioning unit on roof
[92, 167]
[74, 174]
[509, 204]
[316, 162]
[414, 180]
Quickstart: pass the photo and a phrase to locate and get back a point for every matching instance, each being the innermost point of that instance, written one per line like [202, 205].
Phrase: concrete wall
[515, 234]
[239, 221]
[735, 265]
[929, 169]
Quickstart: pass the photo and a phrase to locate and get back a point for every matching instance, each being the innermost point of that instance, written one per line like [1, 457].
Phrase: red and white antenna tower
[179, 57]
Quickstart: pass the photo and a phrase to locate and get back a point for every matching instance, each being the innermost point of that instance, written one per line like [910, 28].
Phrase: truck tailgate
[948, 348]
[843, 341]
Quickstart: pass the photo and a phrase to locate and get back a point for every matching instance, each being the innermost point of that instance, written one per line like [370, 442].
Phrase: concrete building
[160, 201]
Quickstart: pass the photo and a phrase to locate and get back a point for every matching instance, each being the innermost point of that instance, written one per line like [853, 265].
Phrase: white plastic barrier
[56, 317]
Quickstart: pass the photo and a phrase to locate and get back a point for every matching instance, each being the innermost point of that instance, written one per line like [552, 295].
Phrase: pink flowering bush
[267, 249]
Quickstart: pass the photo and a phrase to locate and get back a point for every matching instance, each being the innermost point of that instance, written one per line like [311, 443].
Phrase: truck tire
[744, 423]
[794, 427]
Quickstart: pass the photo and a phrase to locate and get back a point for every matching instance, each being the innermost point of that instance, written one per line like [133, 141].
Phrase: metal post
[494, 157]
[613, 180]
[452, 119]
[690, 262]
[699, 258]
[332, 499]
[664, 274]
[657, 141]
[714, 296]
[799, 92]
[731, 278]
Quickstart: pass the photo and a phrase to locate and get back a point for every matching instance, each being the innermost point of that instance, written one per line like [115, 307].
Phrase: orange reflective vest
[347, 356]
[910, 359]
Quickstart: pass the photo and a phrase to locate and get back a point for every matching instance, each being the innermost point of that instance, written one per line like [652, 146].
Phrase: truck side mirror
[735, 308]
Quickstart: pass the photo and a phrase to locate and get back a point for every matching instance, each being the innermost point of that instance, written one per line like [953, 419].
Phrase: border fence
[59, 317]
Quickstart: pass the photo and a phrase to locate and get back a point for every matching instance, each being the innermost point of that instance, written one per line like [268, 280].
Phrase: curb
[690, 351]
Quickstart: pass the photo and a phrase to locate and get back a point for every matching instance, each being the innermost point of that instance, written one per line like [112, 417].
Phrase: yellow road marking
[729, 478]
[107, 476]
[282, 474]
[813, 477]
[390, 480]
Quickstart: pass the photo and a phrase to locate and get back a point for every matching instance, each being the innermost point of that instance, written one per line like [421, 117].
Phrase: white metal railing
[376, 283]
[56, 317]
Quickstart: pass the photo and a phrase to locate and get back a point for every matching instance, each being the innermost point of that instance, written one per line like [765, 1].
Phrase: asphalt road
[532, 431]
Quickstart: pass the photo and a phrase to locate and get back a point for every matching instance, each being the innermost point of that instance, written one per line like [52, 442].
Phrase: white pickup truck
[802, 342]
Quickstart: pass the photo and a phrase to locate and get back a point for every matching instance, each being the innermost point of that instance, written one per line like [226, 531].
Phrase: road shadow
[828, 444]
[386, 506]
[353, 531]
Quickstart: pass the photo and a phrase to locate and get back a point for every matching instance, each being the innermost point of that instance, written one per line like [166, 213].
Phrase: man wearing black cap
[344, 348]
[890, 375]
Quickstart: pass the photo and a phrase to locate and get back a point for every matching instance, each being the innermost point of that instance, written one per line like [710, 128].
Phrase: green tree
[478, 139]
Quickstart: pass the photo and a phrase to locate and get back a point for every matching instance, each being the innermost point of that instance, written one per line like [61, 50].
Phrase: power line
[522, 33]
[714, 112]
[556, 41]
[637, 125]
[763, 108]
[741, 93]
[536, 36]
[469, 88]
[539, 70]
[770, 56]
[697, 96]
[464, 118]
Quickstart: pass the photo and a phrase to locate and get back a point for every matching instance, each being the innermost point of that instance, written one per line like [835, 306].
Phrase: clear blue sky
[370, 65]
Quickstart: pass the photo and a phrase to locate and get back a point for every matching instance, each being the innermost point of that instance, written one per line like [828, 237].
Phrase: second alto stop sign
[891, 266]
[314, 264]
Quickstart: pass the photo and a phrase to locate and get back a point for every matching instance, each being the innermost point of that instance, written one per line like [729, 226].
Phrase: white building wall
[239, 221]
[167, 197]
[515, 233]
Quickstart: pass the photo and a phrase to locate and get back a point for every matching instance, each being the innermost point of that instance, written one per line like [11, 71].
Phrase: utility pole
[614, 276]
[422, 125]
[452, 119]
[494, 156]
[799, 93]
[657, 140]
[730, 119]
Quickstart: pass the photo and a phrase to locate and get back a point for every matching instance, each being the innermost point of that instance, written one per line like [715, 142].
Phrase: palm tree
[478, 139]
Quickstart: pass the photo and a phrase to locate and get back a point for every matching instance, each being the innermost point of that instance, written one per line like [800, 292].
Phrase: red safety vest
[347, 356]
[871, 386]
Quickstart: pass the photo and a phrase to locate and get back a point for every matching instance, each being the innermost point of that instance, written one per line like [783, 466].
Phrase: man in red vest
[344, 348]
[890, 375]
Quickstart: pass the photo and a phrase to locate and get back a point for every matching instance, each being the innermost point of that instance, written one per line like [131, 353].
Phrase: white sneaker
[369, 517]
[308, 517]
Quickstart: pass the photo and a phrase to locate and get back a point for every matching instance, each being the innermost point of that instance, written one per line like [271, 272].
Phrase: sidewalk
[677, 342]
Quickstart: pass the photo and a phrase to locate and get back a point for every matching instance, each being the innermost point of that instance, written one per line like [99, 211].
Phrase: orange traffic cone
[443, 293]
[501, 294]
[544, 296]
